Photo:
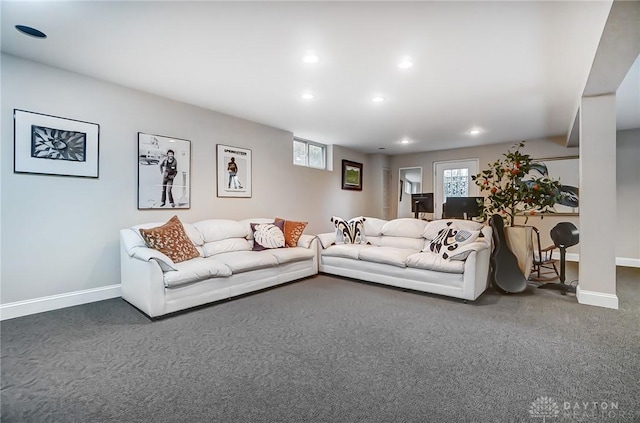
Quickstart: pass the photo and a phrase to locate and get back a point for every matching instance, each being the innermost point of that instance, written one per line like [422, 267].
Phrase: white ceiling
[515, 70]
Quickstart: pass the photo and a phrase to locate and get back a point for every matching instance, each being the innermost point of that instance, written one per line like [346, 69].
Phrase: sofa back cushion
[373, 226]
[225, 246]
[407, 227]
[219, 229]
[398, 242]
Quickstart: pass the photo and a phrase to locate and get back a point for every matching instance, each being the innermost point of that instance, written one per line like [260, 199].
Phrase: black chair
[544, 265]
[563, 235]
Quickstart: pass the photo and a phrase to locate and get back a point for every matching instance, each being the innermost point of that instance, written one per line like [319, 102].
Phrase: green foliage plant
[516, 185]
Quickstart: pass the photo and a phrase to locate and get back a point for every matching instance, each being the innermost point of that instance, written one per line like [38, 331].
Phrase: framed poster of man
[234, 171]
[164, 172]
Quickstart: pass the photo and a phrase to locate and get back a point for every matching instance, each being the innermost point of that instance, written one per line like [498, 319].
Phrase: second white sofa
[399, 253]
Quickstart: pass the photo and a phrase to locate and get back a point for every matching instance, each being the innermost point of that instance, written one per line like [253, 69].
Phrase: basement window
[310, 154]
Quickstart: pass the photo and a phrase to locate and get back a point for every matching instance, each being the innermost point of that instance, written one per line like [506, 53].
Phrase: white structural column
[597, 284]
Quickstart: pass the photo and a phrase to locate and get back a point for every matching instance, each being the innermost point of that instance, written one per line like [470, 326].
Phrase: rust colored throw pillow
[170, 239]
[292, 231]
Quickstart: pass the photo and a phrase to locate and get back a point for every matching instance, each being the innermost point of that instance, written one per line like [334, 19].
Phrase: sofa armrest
[327, 239]
[146, 254]
[305, 240]
[463, 252]
[142, 283]
[476, 274]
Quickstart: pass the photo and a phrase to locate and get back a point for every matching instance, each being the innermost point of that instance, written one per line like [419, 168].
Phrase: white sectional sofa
[398, 253]
[226, 266]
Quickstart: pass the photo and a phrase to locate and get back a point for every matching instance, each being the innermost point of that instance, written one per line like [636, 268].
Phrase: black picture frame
[351, 175]
[236, 181]
[51, 145]
[153, 150]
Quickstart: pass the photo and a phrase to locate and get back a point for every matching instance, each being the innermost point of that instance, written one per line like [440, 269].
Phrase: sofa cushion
[373, 226]
[374, 240]
[292, 231]
[401, 242]
[433, 261]
[433, 228]
[267, 235]
[351, 251]
[171, 240]
[219, 229]
[288, 255]
[195, 270]
[386, 255]
[349, 231]
[225, 246]
[244, 261]
[406, 227]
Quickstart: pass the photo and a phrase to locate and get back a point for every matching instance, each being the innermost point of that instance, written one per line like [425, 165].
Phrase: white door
[453, 179]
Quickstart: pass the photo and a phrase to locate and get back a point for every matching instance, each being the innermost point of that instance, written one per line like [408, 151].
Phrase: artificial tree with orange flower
[517, 185]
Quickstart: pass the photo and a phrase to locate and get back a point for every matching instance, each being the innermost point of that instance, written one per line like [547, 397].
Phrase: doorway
[453, 179]
[410, 183]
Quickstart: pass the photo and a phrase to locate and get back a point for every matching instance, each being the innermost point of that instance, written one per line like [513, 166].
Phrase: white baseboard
[598, 299]
[627, 262]
[569, 256]
[54, 302]
[620, 261]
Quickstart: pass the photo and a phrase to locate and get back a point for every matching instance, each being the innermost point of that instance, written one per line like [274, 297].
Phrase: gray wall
[374, 182]
[628, 193]
[60, 234]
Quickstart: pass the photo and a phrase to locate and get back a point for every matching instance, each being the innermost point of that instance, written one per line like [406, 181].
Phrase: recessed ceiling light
[405, 141]
[310, 58]
[474, 132]
[27, 30]
[307, 96]
[377, 99]
[406, 63]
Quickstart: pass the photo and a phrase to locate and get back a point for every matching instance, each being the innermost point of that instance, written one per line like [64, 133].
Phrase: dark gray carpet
[330, 350]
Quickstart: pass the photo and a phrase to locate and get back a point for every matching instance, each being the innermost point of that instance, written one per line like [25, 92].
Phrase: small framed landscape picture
[234, 171]
[51, 145]
[351, 175]
[164, 172]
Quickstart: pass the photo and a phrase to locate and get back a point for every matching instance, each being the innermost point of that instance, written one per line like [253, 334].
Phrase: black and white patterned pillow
[349, 231]
[451, 239]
